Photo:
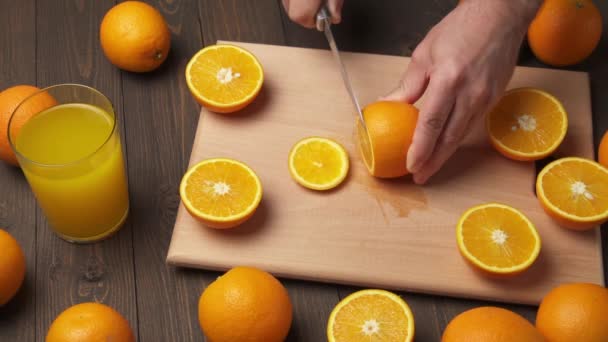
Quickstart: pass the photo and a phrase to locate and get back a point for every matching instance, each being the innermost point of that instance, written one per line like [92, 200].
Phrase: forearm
[518, 13]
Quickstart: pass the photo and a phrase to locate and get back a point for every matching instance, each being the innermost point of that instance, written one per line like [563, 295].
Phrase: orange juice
[72, 158]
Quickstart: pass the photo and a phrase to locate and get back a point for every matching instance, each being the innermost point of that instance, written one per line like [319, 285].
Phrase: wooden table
[51, 42]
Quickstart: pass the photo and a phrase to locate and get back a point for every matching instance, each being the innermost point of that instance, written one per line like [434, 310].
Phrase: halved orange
[224, 78]
[221, 193]
[390, 130]
[574, 191]
[371, 316]
[527, 124]
[497, 239]
[318, 163]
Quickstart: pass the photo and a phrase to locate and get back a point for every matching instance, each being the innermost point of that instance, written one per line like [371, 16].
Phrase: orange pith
[527, 124]
[224, 78]
[574, 191]
[371, 316]
[497, 239]
[221, 193]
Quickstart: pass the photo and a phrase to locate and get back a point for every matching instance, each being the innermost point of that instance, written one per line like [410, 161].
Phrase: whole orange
[490, 324]
[390, 130]
[10, 98]
[245, 305]
[602, 151]
[135, 37]
[565, 32]
[90, 322]
[574, 312]
[12, 267]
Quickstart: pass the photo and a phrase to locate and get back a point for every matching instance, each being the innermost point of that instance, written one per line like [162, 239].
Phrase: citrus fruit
[574, 191]
[224, 78]
[497, 239]
[390, 130]
[221, 193]
[371, 316]
[10, 98]
[565, 32]
[90, 322]
[489, 323]
[602, 152]
[135, 37]
[527, 124]
[318, 163]
[12, 267]
[245, 304]
[574, 312]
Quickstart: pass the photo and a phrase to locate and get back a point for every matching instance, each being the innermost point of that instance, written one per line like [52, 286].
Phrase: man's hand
[462, 66]
[304, 12]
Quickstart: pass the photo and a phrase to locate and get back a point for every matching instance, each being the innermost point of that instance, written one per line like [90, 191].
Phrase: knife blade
[324, 24]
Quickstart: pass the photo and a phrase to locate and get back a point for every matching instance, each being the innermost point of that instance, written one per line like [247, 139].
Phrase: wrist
[519, 13]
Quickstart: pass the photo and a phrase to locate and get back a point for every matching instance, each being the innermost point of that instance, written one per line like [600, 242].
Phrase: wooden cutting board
[372, 233]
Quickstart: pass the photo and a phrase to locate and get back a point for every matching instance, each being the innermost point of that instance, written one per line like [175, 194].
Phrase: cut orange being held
[390, 130]
[224, 78]
[574, 191]
[318, 163]
[574, 312]
[527, 124]
[12, 267]
[135, 37]
[497, 239]
[490, 324]
[220, 192]
[10, 98]
[89, 322]
[371, 316]
[245, 304]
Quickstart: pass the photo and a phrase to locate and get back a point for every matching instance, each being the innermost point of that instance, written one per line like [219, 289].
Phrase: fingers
[448, 142]
[304, 12]
[470, 106]
[335, 9]
[412, 85]
[433, 115]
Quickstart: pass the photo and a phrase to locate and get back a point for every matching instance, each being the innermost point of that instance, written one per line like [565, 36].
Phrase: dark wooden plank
[17, 205]
[68, 50]
[241, 20]
[161, 119]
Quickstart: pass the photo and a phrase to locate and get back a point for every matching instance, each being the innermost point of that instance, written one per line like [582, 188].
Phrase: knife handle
[323, 18]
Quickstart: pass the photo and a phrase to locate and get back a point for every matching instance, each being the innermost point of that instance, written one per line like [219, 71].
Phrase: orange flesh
[241, 75]
[577, 188]
[528, 122]
[498, 237]
[221, 189]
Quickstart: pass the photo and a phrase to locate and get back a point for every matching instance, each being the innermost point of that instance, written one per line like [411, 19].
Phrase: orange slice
[221, 193]
[497, 239]
[224, 78]
[527, 124]
[371, 316]
[574, 191]
[318, 163]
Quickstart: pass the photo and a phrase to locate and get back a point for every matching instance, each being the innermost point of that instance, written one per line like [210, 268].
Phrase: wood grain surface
[387, 234]
[49, 42]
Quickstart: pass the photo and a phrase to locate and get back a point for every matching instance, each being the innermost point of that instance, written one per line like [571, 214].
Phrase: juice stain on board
[395, 197]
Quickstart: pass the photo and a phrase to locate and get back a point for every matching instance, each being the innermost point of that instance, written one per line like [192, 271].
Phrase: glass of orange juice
[67, 143]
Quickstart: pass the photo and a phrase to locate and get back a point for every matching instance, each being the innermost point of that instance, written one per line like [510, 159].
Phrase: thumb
[411, 86]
